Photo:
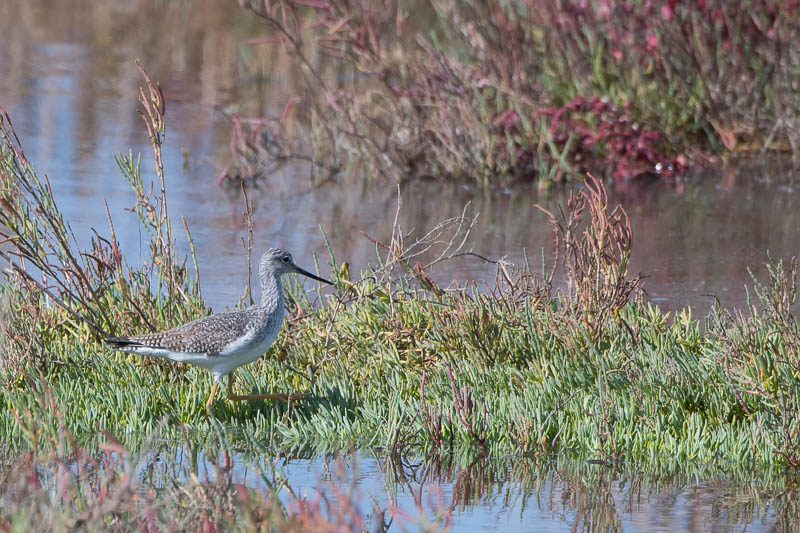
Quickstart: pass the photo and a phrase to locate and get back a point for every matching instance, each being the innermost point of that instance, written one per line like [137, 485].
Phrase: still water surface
[502, 494]
[68, 80]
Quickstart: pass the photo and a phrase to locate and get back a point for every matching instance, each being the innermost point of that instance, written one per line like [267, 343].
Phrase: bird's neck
[271, 291]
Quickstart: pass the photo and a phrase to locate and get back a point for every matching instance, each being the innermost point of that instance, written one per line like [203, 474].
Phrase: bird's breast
[256, 340]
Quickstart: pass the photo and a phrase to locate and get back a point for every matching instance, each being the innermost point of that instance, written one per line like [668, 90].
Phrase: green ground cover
[395, 361]
[501, 376]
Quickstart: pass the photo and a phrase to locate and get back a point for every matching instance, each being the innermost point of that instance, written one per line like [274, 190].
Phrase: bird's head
[278, 262]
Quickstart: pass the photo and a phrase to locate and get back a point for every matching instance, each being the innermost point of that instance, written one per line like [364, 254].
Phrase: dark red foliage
[627, 23]
[608, 138]
[605, 139]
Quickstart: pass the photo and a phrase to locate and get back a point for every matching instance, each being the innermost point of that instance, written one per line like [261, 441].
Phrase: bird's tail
[120, 343]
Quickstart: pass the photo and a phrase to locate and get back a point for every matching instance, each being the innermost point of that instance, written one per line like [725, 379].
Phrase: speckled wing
[208, 335]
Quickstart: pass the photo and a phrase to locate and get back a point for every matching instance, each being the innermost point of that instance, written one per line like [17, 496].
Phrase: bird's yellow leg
[211, 398]
[240, 397]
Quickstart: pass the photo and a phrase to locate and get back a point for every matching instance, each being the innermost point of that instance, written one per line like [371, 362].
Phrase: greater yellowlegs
[220, 343]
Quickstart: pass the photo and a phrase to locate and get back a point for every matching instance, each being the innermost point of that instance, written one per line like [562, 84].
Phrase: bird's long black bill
[310, 275]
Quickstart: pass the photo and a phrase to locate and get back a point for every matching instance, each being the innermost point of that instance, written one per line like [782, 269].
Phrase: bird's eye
[286, 258]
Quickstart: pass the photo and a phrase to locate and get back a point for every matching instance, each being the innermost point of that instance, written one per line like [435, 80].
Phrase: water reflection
[380, 491]
[596, 497]
[69, 81]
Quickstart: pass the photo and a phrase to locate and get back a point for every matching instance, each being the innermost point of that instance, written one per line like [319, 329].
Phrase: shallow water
[69, 82]
[415, 493]
[504, 494]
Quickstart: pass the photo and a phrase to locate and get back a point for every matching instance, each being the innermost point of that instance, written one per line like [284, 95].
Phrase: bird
[223, 342]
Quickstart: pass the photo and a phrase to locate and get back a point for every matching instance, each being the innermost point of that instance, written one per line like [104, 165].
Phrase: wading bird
[220, 343]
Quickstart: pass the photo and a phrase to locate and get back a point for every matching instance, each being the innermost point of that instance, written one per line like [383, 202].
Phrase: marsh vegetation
[493, 93]
[392, 360]
[575, 385]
